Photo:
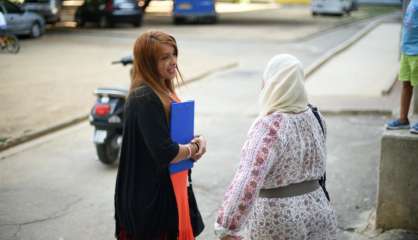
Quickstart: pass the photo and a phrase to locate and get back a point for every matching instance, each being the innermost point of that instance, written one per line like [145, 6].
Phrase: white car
[335, 7]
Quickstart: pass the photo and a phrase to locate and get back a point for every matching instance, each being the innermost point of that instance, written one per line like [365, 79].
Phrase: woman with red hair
[151, 204]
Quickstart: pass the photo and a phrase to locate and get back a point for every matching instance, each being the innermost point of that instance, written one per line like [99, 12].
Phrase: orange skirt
[180, 181]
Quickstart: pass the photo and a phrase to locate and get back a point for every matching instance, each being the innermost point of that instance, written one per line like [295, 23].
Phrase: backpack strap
[315, 112]
[323, 179]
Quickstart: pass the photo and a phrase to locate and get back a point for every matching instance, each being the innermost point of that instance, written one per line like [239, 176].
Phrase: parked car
[21, 22]
[49, 9]
[108, 12]
[194, 10]
[334, 7]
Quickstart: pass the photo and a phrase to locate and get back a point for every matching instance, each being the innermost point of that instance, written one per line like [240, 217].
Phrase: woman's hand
[201, 142]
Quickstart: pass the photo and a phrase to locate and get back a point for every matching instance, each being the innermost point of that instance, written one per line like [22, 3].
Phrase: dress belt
[291, 190]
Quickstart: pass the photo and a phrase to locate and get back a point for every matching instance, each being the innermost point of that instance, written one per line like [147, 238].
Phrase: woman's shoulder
[142, 98]
[273, 121]
[143, 93]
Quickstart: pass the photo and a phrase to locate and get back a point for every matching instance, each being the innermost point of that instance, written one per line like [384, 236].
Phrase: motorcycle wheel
[108, 152]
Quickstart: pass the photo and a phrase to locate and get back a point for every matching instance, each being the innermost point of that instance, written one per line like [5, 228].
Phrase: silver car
[21, 22]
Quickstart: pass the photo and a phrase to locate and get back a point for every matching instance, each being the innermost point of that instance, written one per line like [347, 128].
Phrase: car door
[100, 8]
[14, 17]
[91, 10]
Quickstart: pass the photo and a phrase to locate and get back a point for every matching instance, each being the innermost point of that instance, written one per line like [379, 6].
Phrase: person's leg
[414, 84]
[1, 37]
[406, 96]
[404, 76]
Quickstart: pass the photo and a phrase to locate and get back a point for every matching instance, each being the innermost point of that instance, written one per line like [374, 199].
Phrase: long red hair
[147, 51]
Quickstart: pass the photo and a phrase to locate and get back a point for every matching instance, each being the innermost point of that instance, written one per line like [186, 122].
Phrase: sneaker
[396, 124]
[414, 129]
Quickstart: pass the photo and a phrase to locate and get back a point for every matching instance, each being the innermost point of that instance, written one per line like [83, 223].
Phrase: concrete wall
[397, 200]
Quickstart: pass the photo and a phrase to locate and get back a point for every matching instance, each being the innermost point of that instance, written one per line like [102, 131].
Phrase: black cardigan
[145, 204]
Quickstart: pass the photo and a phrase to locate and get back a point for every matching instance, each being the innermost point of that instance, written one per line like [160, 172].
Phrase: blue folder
[182, 130]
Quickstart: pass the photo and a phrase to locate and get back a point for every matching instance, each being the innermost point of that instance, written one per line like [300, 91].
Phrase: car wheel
[212, 19]
[314, 14]
[179, 20]
[138, 23]
[104, 22]
[80, 22]
[348, 12]
[35, 30]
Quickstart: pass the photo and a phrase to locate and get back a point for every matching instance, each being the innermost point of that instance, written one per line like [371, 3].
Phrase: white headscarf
[284, 88]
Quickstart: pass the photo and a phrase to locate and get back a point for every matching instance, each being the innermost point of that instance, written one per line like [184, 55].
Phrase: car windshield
[11, 8]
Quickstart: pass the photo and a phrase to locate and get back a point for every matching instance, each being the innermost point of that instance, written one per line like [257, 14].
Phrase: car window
[36, 1]
[123, 1]
[92, 2]
[1, 9]
[11, 8]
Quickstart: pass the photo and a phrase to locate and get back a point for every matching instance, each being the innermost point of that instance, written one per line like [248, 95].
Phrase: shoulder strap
[323, 179]
[315, 112]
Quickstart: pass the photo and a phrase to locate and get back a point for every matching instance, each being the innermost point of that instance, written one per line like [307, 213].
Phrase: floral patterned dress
[281, 149]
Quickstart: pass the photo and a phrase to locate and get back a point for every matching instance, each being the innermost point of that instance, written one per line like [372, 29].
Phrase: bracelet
[189, 149]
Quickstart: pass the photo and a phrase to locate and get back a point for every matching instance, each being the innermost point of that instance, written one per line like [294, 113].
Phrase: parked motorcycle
[107, 118]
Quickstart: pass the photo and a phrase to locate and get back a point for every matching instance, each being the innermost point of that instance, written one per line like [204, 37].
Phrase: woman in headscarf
[275, 192]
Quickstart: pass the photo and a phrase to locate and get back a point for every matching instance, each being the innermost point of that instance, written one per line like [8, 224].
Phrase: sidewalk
[363, 77]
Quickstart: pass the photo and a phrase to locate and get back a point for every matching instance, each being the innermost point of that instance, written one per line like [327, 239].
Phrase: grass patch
[3, 140]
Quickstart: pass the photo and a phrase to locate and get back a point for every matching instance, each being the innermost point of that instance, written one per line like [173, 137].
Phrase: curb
[31, 136]
[342, 25]
[345, 45]
[54, 128]
[353, 112]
